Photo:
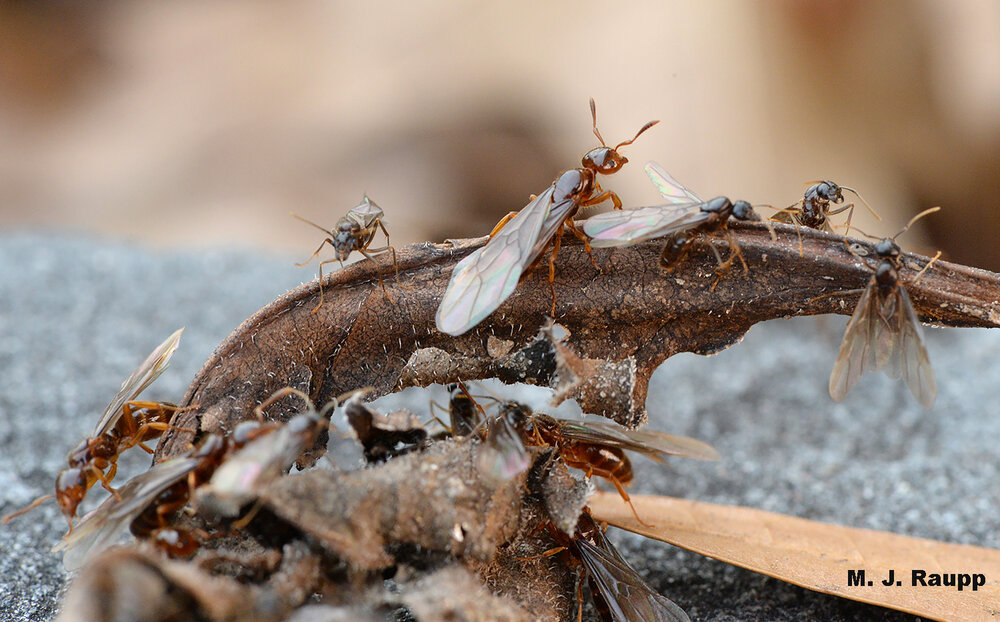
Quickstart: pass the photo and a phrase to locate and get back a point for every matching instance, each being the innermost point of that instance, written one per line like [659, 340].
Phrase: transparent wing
[365, 213]
[484, 279]
[856, 351]
[671, 189]
[502, 455]
[909, 359]
[625, 227]
[628, 597]
[143, 376]
[649, 442]
[105, 525]
[237, 481]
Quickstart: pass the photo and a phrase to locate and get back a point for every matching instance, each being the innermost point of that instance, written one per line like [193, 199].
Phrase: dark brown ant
[353, 232]
[683, 219]
[884, 331]
[484, 279]
[814, 208]
[381, 436]
[617, 590]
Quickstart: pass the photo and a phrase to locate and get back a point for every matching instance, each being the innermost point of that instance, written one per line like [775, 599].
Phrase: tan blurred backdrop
[204, 123]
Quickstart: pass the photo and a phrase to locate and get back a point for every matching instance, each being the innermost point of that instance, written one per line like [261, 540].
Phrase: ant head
[517, 414]
[829, 191]
[71, 486]
[887, 249]
[244, 432]
[742, 210]
[606, 160]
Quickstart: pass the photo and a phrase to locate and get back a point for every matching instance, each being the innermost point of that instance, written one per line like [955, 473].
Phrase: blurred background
[203, 124]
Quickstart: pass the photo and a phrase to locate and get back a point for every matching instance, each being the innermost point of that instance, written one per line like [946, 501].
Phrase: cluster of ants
[220, 476]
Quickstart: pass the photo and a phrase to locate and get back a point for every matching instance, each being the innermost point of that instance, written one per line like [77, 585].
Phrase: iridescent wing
[652, 443]
[484, 279]
[625, 227]
[856, 351]
[627, 596]
[104, 526]
[237, 481]
[144, 375]
[671, 189]
[908, 359]
[502, 456]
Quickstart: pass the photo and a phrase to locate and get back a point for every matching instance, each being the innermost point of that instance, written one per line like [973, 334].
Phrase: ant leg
[603, 196]
[434, 417]
[320, 279]
[734, 249]
[552, 267]
[548, 553]
[106, 481]
[583, 236]
[388, 245]
[849, 208]
[316, 252]
[371, 258]
[624, 495]
[503, 221]
[924, 269]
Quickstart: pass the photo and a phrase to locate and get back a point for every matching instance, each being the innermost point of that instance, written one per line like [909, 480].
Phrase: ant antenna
[279, 394]
[309, 222]
[858, 194]
[915, 219]
[593, 114]
[643, 129]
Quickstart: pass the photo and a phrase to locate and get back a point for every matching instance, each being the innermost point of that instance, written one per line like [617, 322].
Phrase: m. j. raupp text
[921, 578]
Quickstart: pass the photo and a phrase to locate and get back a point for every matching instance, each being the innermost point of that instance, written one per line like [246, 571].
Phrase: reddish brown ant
[595, 447]
[225, 471]
[125, 424]
[484, 279]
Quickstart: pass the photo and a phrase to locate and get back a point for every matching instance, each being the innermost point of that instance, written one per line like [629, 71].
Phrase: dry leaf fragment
[819, 556]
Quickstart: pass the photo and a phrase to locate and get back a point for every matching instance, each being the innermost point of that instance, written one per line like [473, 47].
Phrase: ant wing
[484, 279]
[366, 214]
[502, 456]
[671, 189]
[143, 376]
[627, 596]
[627, 227]
[649, 442]
[856, 352]
[101, 528]
[908, 359]
[237, 481]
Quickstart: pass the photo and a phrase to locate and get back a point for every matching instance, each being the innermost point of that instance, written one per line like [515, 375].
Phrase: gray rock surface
[77, 315]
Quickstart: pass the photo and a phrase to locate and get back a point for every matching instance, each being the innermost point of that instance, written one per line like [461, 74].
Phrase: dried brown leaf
[434, 500]
[817, 556]
[627, 310]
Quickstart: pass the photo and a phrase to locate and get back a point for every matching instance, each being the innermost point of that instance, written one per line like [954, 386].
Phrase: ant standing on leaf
[813, 209]
[484, 279]
[353, 232]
